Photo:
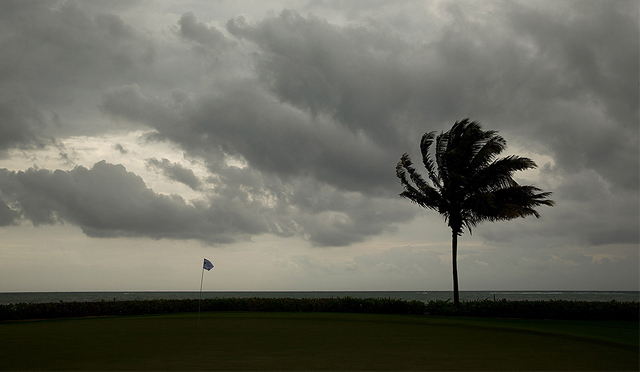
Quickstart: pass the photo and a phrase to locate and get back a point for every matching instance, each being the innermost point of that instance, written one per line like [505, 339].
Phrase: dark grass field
[316, 341]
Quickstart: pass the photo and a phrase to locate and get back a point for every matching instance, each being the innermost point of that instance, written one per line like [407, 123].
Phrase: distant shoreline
[424, 296]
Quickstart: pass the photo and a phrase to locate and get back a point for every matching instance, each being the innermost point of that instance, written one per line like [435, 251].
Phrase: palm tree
[468, 183]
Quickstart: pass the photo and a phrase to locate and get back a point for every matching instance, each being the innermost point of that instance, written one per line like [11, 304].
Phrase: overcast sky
[137, 137]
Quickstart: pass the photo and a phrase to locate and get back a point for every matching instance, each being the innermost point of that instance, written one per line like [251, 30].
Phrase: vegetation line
[551, 309]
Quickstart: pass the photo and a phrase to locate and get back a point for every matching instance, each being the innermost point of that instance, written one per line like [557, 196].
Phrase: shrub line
[551, 309]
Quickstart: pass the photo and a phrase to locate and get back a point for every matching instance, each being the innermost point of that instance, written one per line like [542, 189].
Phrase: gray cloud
[207, 38]
[8, 216]
[318, 112]
[333, 218]
[120, 148]
[58, 54]
[283, 144]
[338, 104]
[595, 52]
[588, 214]
[129, 102]
[176, 172]
[108, 201]
[520, 77]
[21, 122]
[344, 72]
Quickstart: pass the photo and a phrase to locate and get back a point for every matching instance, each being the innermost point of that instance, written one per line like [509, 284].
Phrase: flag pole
[206, 264]
[200, 298]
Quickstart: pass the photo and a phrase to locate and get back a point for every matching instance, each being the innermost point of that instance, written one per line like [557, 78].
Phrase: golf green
[315, 341]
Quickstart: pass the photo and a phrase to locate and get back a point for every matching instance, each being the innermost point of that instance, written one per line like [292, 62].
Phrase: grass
[316, 341]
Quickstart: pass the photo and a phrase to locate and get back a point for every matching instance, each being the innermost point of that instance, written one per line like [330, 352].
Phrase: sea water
[425, 296]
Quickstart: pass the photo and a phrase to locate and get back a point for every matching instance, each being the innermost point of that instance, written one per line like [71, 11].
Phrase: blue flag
[207, 265]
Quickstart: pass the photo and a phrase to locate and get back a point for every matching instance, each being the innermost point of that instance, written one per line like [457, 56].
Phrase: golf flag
[207, 265]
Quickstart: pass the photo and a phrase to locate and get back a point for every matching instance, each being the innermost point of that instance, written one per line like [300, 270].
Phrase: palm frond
[506, 204]
[499, 174]
[423, 194]
[427, 159]
[488, 151]
[442, 141]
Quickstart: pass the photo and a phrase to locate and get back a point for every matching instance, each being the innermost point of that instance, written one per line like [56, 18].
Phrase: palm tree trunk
[454, 260]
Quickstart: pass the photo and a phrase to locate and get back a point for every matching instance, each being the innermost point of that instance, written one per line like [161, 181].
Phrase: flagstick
[200, 299]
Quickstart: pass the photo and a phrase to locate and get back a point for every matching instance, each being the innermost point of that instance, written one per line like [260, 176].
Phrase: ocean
[39, 297]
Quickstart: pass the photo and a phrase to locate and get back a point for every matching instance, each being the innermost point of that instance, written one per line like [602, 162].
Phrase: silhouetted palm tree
[468, 183]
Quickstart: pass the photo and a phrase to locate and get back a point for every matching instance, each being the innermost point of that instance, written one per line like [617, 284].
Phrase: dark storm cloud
[243, 121]
[353, 74]
[331, 217]
[129, 102]
[208, 38]
[176, 172]
[571, 86]
[55, 54]
[305, 140]
[596, 50]
[337, 104]
[284, 149]
[587, 96]
[108, 201]
[567, 77]
[57, 45]
[21, 122]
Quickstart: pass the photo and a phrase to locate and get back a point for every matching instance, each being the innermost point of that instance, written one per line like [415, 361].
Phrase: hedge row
[553, 309]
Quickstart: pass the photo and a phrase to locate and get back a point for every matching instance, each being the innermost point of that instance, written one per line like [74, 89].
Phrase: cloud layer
[300, 115]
